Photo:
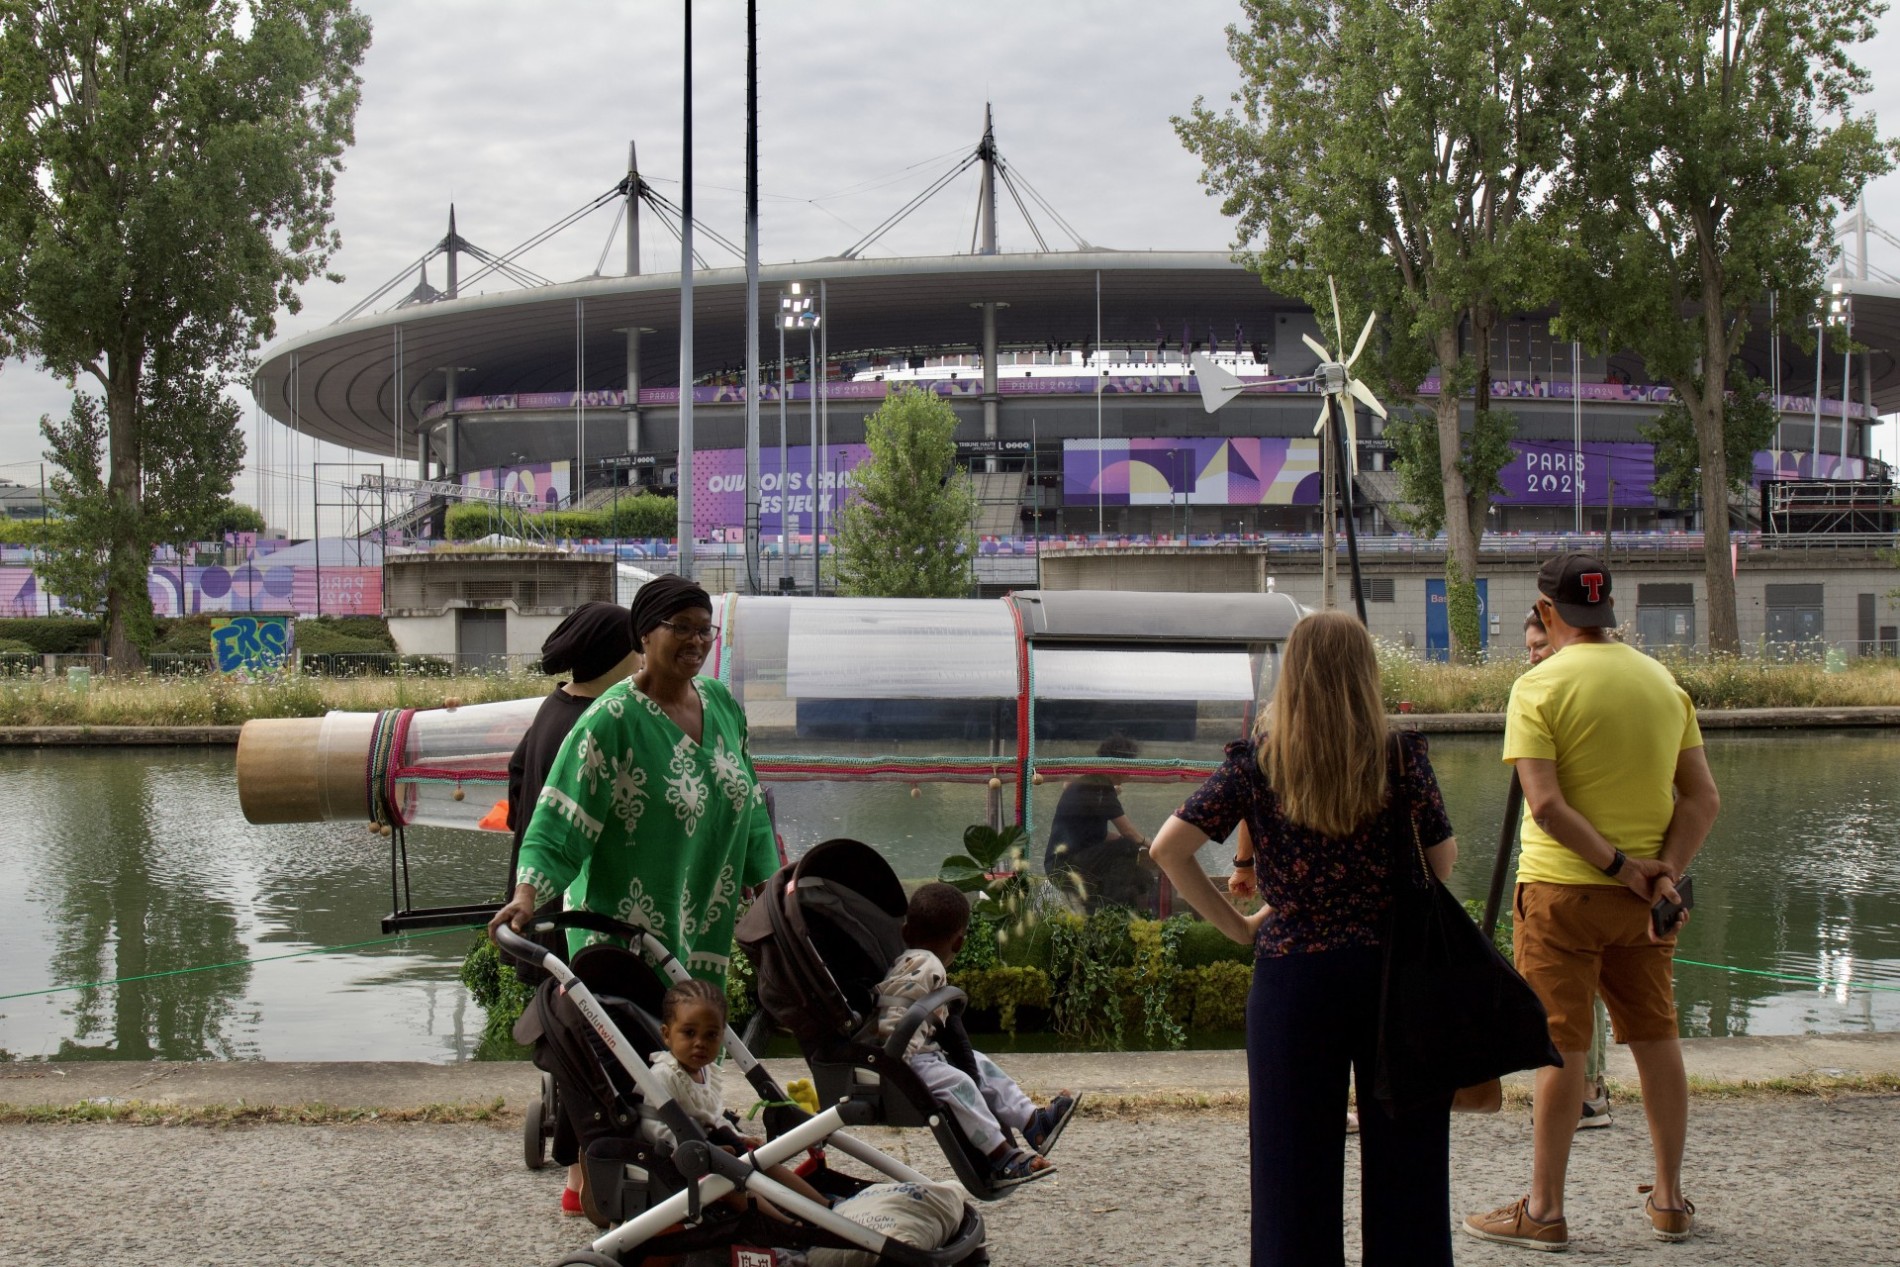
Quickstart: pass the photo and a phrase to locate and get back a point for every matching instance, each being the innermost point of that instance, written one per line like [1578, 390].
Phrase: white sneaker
[1596, 1112]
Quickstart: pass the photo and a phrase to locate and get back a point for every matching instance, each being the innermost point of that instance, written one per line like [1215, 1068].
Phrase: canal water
[137, 864]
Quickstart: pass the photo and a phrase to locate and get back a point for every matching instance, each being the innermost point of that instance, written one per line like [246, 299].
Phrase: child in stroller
[693, 1027]
[654, 1181]
[934, 928]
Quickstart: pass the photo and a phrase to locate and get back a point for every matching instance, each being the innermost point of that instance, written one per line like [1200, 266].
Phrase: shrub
[52, 635]
[492, 983]
[343, 635]
[1203, 944]
[1217, 995]
[1003, 989]
[644, 515]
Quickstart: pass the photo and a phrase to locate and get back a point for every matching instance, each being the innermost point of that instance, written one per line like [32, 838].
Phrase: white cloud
[521, 113]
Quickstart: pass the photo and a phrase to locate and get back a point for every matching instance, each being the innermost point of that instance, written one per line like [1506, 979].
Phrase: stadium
[1079, 413]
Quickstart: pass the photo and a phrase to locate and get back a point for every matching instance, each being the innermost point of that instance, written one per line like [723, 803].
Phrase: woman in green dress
[652, 812]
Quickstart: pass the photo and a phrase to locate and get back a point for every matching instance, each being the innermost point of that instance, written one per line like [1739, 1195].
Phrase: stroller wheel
[533, 1141]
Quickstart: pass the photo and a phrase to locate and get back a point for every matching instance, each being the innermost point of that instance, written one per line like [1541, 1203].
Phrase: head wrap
[593, 639]
[660, 598]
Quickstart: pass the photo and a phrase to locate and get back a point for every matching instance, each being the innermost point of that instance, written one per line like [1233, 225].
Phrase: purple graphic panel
[1198, 470]
[719, 487]
[1552, 473]
[547, 482]
[1799, 464]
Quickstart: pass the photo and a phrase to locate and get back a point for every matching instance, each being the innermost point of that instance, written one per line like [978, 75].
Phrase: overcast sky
[520, 113]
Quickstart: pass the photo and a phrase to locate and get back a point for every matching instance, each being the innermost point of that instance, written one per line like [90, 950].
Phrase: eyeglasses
[692, 633]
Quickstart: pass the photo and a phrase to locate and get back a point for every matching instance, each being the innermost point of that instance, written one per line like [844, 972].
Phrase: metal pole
[752, 295]
[820, 517]
[1100, 530]
[1820, 347]
[1501, 866]
[1847, 358]
[1576, 425]
[685, 521]
[1344, 466]
[784, 463]
[811, 453]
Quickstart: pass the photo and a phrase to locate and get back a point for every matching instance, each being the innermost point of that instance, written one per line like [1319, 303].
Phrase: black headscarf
[593, 639]
[660, 598]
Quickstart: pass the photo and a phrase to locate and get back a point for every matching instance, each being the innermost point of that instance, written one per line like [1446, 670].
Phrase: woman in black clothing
[1328, 800]
[595, 643]
[1081, 847]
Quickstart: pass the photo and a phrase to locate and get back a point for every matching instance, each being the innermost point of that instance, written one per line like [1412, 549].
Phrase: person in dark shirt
[1103, 869]
[595, 643]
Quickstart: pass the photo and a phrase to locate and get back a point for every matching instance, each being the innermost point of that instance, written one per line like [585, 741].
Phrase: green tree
[908, 532]
[166, 178]
[1401, 148]
[1749, 421]
[1706, 168]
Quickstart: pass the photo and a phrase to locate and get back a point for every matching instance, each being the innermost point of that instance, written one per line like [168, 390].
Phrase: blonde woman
[1326, 798]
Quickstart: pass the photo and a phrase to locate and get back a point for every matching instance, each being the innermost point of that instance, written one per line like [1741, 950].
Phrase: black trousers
[1311, 1020]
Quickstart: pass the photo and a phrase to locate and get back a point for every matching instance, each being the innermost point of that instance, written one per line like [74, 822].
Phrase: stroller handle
[517, 947]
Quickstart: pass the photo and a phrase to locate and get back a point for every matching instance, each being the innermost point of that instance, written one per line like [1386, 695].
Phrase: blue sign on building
[1438, 621]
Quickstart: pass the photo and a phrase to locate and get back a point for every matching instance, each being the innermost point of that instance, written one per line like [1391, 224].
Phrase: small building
[487, 609]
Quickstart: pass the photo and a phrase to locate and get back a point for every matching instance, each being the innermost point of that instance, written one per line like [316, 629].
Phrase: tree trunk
[1718, 574]
[130, 558]
[1461, 541]
[1706, 410]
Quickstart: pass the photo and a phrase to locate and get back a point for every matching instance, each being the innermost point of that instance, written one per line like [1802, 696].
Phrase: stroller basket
[593, 1027]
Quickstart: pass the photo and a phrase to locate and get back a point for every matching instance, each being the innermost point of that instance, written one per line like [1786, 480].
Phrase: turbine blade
[1318, 351]
[1352, 438]
[1321, 424]
[1216, 384]
[1365, 395]
[1339, 331]
[1360, 346]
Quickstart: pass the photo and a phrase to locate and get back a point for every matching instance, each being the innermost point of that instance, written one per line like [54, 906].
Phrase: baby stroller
[821, 936]
[593, 1026]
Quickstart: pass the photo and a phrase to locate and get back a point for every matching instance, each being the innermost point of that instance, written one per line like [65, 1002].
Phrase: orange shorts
[1574, 941]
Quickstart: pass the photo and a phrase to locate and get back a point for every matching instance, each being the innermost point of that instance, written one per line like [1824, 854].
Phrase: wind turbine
[1338, 423]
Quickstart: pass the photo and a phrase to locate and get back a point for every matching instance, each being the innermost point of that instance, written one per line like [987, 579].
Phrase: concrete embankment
[1430, 723]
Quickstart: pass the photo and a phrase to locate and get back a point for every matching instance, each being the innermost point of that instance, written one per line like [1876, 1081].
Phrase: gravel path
[1779, 1180]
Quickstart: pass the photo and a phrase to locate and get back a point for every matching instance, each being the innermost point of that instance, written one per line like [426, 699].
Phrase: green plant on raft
[1084, 953]
[492, 983]
[1157, 969]
[1004, 989]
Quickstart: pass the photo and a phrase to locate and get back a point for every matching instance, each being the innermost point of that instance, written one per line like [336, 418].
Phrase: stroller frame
[711, 1172]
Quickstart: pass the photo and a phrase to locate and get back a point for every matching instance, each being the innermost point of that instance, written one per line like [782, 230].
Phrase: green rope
[1787, 976]
[236, 963]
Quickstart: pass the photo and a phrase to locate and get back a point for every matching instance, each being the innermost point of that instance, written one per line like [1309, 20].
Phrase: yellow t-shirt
[1614, 721]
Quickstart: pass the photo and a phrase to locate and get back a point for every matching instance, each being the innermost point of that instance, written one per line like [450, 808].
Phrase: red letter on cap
[1593, 582]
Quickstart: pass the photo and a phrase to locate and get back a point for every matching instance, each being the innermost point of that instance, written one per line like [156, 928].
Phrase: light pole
[1820, 349]
[1842, 308]
[794, 312]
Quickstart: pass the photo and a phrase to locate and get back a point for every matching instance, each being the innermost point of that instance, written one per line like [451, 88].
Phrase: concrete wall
[437, 635]
[1511, 585]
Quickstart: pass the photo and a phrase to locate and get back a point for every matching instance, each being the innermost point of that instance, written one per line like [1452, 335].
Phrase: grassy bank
[35, 700]
[1712, 682]
[203, 701]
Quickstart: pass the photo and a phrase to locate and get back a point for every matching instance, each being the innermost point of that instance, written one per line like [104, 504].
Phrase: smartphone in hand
[1665, 915]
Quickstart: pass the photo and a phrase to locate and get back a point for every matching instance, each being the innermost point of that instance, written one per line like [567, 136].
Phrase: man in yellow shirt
[1618, 799]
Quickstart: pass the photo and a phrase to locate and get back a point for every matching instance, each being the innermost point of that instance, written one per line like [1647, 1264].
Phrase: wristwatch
[1243, 862]
[1617, 859]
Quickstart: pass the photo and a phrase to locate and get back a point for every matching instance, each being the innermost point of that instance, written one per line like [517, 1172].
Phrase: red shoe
[571, 1203]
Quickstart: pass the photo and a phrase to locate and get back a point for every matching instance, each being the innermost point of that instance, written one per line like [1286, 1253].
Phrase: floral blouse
[1326, 892]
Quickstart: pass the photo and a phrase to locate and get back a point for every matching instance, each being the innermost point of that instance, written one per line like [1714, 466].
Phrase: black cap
[1578, 585]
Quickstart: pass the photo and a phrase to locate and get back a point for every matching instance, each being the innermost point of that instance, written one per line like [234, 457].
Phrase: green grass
[1711, 681]
[33, 700]
[140, 1113]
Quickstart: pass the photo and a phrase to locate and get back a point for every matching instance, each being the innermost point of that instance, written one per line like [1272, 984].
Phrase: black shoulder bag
[1453, 1012]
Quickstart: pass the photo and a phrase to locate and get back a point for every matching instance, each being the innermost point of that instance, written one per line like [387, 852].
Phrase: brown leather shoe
[1513, 1225]
[1669, 1225]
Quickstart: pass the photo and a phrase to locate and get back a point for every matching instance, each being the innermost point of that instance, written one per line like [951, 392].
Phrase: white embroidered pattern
[593, 761]
[564, 805]
[686, 791]
[723, 892]
[543, 882]
[638, 907]
[629, 789]
[730, 773]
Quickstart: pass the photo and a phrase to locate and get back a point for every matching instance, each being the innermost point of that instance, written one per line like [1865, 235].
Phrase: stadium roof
[525, 341]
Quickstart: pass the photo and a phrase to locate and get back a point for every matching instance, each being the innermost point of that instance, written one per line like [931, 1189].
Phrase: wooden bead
[459, 794]
[995, 783]
[1036, 779]
[915, 790]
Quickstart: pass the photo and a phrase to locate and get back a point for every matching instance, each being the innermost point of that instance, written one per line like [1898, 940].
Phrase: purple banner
[719, 488]
[1198, 470]
[1553, 473]
[1799, 464]
[547, 482]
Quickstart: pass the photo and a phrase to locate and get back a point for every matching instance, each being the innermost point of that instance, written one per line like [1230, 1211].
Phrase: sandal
[1045, 1125]
[1016, 1167]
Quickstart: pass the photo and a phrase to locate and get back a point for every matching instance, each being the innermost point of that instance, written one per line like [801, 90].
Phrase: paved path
[1780, 1179]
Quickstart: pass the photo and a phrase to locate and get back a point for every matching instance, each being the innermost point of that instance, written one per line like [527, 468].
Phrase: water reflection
[132, 863]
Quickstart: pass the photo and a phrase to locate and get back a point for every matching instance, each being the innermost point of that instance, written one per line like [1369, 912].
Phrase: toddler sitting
[934, 928]
[693, 1027]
